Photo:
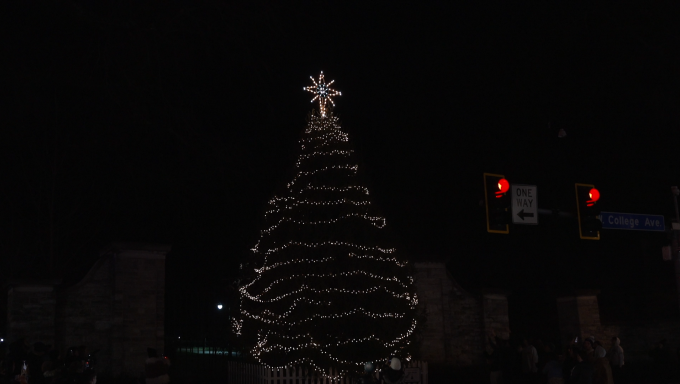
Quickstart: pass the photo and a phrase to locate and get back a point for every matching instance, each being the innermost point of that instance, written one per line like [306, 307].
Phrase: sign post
[676, 234]
[524, 204]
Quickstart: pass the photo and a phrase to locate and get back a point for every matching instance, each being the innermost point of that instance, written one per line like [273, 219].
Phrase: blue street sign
[632, 221]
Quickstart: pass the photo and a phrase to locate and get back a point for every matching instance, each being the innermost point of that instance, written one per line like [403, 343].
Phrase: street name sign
[524, 205]
[632, 221]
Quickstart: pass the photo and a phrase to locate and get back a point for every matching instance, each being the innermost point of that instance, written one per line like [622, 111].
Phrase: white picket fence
[243, 373]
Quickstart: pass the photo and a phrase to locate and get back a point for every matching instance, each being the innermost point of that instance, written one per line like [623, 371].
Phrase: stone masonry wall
[580, 316]
[589, 313]
[567, 311]
[85, 313]
[496, 318]
[637, 340]
[457, 322]
[117, 309]
[31, 312]
[139, 307]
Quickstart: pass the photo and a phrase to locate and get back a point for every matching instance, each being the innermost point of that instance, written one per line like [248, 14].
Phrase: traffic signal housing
[497, 203]
[588, 211]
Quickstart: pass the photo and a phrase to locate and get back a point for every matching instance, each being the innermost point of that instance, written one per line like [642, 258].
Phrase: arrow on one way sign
[523, 214]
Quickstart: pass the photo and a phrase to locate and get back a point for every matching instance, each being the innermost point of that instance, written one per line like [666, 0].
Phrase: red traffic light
[503, 186]
[594, 195]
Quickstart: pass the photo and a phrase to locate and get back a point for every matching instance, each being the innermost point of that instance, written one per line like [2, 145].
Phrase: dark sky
[174, 122]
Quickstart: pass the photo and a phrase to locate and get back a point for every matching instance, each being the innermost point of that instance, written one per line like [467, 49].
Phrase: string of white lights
[316, 154]
[291, 324]
[312, 345]
[237, 325]
[352, 168]
[372, 337]
[292, 307]
[307, 202]
[328, 345]
[324, 243]
[279, 304]
[338, 189]
[342, 372]
[330, 136]
[256, 249]
[331, 133]
[289, 262]
[412, 299]
[303, 361]
[310, 173]
[327, 275]
[378, 258]
[378, 222]
[272, 251]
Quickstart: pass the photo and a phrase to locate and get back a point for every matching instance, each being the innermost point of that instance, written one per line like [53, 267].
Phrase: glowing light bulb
[503, 186]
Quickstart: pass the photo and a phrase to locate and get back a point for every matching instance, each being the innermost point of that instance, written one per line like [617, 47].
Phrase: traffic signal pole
[676, 192]
[676, 241]
[555, 212]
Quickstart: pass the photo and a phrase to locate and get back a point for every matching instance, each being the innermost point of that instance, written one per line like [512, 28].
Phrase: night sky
[174, 122]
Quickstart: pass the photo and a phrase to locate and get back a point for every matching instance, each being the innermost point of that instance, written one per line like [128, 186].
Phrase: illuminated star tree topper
[323, 93]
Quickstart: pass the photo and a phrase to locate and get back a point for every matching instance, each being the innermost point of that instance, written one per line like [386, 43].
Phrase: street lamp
[219, 306]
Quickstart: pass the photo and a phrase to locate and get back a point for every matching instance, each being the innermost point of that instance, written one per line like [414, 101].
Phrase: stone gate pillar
[31, 309]
[579, 315]
[138, 304]
[495, 316]
[457, 321]
[118, 308]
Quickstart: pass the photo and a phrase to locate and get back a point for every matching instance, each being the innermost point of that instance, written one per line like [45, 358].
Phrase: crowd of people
[391, 372]
[586, 361]
[41, 364]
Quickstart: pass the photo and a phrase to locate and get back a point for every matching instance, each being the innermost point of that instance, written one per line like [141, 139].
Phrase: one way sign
[524, 205]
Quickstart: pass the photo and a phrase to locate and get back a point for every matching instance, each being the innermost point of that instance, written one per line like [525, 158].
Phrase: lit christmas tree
[322, 289]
